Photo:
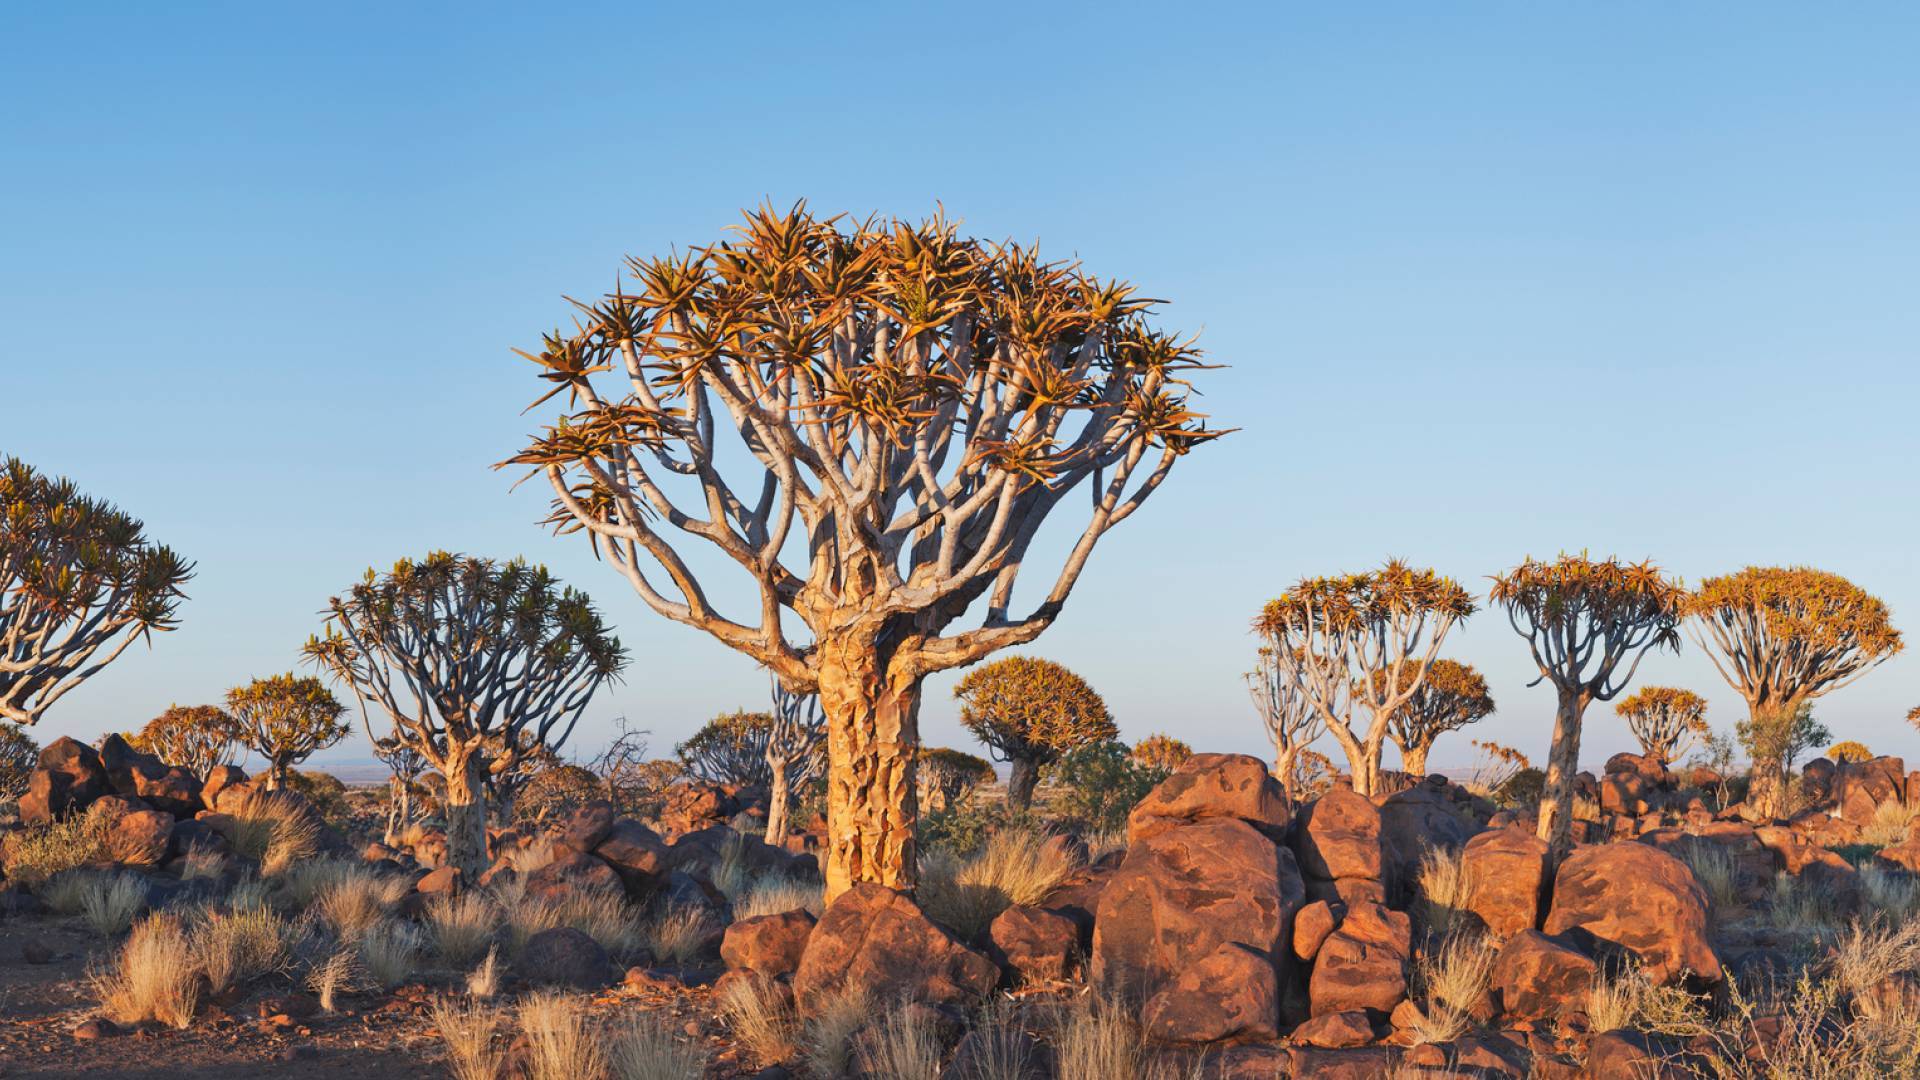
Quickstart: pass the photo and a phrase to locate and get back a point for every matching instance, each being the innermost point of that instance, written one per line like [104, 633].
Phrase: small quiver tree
[911, 407]
[1588, 624]
[1029, 711]
[1327, 636]
[404, 767]
[474, 662]
[195, 737]
[796, 754]
[79, 582]
[19, 754]
[1452, 696]
[729, 749]
[1848, 752]
[1292, 720]
[1666, 720]
[1783, 636]
[1162, 752]
[949, 776]
[286, 719]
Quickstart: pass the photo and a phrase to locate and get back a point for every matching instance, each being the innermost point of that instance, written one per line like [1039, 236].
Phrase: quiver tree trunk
[1563, 765]
[1413, 759]
[466, 774]
[777, 800]
[1022, 777]
[1363, 763]
[873, 734]
[1284, 758]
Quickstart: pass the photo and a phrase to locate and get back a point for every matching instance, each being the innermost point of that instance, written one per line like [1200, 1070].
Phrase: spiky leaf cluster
[1666, 720]
[1162, 752]
[729, 749]
[18, 756]
[195, 737]
[1451, 696]
[1584, 618]
[287, 718]
[1032, 709]
[77, 576]
[1785, 635]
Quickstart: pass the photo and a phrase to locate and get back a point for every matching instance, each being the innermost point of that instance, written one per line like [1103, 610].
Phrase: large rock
[1338, 837]
[141, 837]
[768, 944]
[571, 872]
[1363, 964]
[144, 776]
[635, 853]
[1537, 978]
[1032, 944]
[1213, 786]
[1639, 899]
[1182, 894]
[589, 825]
[1860, 787]
[69, 778]
[564, 956]
[1414, 822]
[1507, 874]
[1231, 993]
[877, 941]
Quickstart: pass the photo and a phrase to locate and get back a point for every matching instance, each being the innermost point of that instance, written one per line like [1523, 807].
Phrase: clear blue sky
[1494, 279]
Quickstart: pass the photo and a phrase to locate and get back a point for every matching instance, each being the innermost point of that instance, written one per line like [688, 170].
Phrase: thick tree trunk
[467, 814]
[777, 799]
[1563, 764]
[1283, 765]
[276, 775]
[873, 734]
[1413, 759]
[1025, 773]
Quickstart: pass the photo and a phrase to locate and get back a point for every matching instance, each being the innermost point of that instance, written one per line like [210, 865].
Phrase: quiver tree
[405, 766]
[910, 407]
[79, 582]
[1666, 720]
[1452, 696]
[1588, 624]
[1783, 636]
[949, 776]
[286, 719]
[474, 662]
[1028, 712]
[796, 753]
[631, 782]
[1327, 636]
[729, 749]
[194, 737]
[1848, 752]
[1292, 720]
[19, 754]
[1162, 752]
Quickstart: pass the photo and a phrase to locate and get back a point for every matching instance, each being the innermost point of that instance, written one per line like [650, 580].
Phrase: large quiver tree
[909, 408]
[79, 582]
[1327, 636]
[1783, 636]
[476, 663]
[1028, 712]
[1665, 720]
[1452, 696]
[1588, 624]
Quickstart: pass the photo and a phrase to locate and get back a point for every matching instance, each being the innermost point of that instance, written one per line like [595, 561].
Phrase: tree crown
[197, 737]
[940, 763]
[1849, 751]
[1160, 751]
[74, 573]
[916, 401]
[1451, 696]
[1575, 610]
[1028, 707]
[1781, 634]
[730, 748]
[287, 715]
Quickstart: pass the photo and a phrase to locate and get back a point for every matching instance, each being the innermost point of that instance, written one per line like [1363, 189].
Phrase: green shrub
[35, 853]
[1101, 783]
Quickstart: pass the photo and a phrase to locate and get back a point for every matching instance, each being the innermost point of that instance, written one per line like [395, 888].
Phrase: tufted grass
[153, 978]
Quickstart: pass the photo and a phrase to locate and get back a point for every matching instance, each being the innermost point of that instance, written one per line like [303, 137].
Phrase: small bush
[903, 1045]
[239, 944]
[1101, 783]
[647, 1051]
[37, 853]
[559, 1044]
[761, 1021]
[109, 902]
[468, 1032]
[153, 978]
[1869, 954]
[678, 934]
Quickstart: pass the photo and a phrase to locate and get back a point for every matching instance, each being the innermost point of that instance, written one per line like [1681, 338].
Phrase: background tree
[1849, 751]
[912, 407]
[474, 662]
[629, 780]
[1452, 696]
[1163, 752]
[1100, 784]
[405, 766]
[1328, 635]
[1293, 723]
[286, 719]
[1766, 738]
[1666, 721]
[729, 749]
[1029, 711]
[1310, 775]
[951, 775]
[1783, 636]
[796, 753]
[1588, 624]
[19, 755]
[77, 577]
[194, 737]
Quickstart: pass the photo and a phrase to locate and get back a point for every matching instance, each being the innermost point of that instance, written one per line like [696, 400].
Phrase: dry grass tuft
[1800, 908]
[1631, 1000]
[602, 916]
[778, 895]
[678, 934]
[468, 1032]
[1453, 978]
[904, 1045]
[1868, 954]
[1894, 894]
[461, 927]
[1718, 873]
[38, 853]
[828, 1043]
[648, 1051]
[1445, 889]
[1000, 1050]
[730, 873]
[1890, 823]
[559, 1043]
[153, 978]
[240, 944]
[389, 952]
[761, 1021]
[111, 901]
[202, 863]
[357, 898]
[274, 829]
[1012, 867]
[483, 982]
[330, 977]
